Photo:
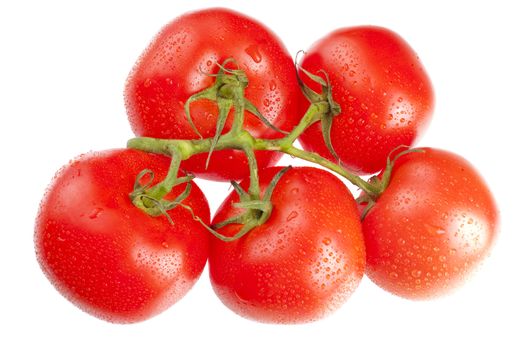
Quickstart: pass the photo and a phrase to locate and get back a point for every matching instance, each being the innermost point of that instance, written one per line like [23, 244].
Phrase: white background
[62, 72]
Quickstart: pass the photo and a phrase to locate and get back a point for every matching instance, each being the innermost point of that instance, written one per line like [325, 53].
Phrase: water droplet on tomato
[295, 190]
[253, 52]
[147, 83]
[164, 244]
[293, 214]
[272, 85]
[416, 273]
[326, 241]
[432, 229]
[95, 213]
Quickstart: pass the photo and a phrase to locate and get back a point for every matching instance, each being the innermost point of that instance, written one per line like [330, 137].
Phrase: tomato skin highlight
[107, 256]
[384, 92]
[433, 225]
[174, 67]
[300, 265]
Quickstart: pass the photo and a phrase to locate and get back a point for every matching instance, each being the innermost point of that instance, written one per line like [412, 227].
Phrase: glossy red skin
[105, 255]
[303, 263]
[433, 225]
[171, 70]
[385, 95]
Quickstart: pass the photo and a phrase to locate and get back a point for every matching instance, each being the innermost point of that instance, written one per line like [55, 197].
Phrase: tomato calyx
[380, 182]
[227, 92]
[150, 198]
[256, 211]
[325, 95]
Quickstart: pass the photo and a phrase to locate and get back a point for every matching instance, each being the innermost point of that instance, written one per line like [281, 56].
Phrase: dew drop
[393, 274]
[432, 229]
[293, 214]
[416, 273]
[253, 52]
[272, 85]
[95, 213]
[326, 241]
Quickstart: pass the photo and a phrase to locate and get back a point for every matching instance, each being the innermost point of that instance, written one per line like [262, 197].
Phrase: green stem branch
[316, 158]
[164, 187]
[228, 92]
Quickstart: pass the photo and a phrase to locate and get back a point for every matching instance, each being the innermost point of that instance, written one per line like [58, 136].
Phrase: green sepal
[224, 108]
[243, 195]
[137, 187]
[326, 125]
[272, 185]
[383, 183]
[253, 110]
[233, 220]
[207, 94]
[310, 94]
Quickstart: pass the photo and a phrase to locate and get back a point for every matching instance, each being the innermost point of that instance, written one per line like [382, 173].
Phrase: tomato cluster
[124, 245]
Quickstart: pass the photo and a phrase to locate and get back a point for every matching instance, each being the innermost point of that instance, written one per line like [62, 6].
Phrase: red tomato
[431, 227]
[385, 95]
[107, 256]
[171, 70]
[303, 263]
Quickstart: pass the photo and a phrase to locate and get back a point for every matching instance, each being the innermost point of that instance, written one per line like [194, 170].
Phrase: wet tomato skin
[179, 62]
[433, 225]
[300, 265]
[105, 255]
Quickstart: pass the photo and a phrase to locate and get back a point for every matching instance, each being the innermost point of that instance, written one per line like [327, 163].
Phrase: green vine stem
[228, 92]
[244, 141]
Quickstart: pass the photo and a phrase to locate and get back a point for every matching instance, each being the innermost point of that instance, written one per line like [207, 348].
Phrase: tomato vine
[228, 92]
